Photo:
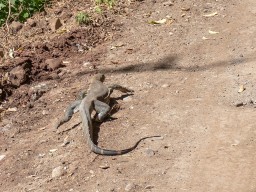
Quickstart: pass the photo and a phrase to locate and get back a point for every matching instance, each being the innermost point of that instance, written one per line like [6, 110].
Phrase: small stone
[239, 104]
[53, 63]
[165, 85]
[15, 26]
[2, 157]
[168, 3]
[104, 166]
[53, 150]
[149, 187]
[241, 89]
[149, 152]
[45, 112]
[129, 187]
[55, 24]
[58, 172]
[86, 64]
[17, 76]
[41, 155]
[66, 141]
[91, 171]
[13, 109]
[185, 8]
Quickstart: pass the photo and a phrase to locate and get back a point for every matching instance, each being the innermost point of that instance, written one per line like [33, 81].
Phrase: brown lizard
[97, 97]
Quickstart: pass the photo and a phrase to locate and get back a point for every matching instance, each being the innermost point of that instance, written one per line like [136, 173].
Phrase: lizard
[97, 98]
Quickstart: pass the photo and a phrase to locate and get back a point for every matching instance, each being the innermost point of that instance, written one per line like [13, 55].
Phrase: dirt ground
[194, 81]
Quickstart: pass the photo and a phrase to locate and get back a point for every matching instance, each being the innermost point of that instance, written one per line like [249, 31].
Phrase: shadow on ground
[170, 63]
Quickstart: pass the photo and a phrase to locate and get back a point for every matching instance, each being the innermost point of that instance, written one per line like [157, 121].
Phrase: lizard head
[99, 77]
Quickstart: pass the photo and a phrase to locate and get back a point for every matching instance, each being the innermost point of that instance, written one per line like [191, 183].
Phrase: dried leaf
[205, 38]
[162, 21]
[213, 32]
[211, 14]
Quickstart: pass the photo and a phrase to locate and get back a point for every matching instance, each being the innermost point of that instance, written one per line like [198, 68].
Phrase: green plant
[97, 9]
[109, 3]
[19, 10]
[83, 18]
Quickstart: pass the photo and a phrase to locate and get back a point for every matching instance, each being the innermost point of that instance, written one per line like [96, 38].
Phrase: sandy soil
[194, 88]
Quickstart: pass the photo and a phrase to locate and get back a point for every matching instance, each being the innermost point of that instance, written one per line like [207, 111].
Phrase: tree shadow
[169, 63]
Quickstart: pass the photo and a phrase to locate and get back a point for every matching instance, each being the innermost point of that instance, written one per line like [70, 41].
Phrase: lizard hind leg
[102, 109]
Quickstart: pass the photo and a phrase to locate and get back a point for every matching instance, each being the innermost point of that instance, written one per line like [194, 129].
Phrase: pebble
[86, 64]
[91, 171]
[165, 85]
[45, 112]
[53, 150]
[41, 155]
[168, 3]
[65, 142]
[2, 157]
[104, 166]
[149, 187]
[14, 109]
[129, 187]
[239, 104]
[58, 172]
[149, 152]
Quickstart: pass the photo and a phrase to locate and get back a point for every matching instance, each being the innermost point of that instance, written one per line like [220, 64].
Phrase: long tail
[87, 127]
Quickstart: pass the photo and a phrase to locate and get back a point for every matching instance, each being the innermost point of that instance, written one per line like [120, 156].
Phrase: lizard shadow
[69, 129]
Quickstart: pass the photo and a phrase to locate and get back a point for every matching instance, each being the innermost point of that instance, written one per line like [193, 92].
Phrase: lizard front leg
[71, 109]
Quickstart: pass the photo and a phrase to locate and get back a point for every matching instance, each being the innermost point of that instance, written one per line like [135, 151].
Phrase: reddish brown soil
[195, 89]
